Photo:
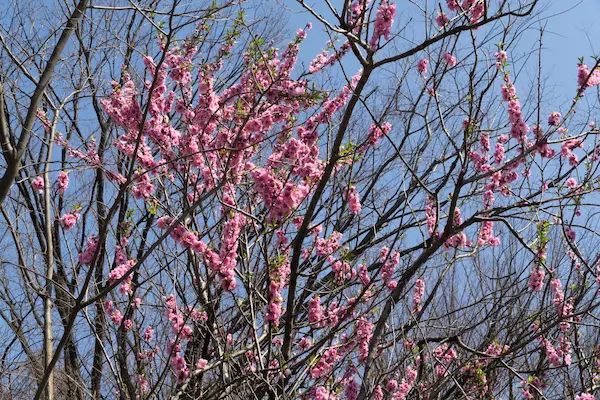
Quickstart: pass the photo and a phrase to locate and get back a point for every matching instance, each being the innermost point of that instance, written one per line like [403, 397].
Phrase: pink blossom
[38, 184]
[418, 293]
[442, 19]
[87, 255]
[383, 23]
[536, 279]
[422, 66]
[62, 182]
[450, 59]
[351, 195]
[554, 118]
[201, 363]
[68, 221]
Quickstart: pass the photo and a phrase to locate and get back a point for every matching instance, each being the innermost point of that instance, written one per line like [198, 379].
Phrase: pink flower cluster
[119, 272]
[143, 187]
[431, 216]
[69, 220]
[418, 293]
[376, 133]
[320, 393]
[279, 279]
[564, 308]
[364, 333]
[328, 246]
[583, 73]
[383, 23]
[529, 385]
[86, 257]
[113, 312]
[486, 234]
[122, 106]
[281, 198]
[442, 19]
[444, 355]
[536, 279]
[183, 333]
[62, 182]
[229, 246]
[476, 8]
[400, 392]
[449, 59]
[353, 200]
[422, 66]
[38, 184]
[554, 118]
[325, 363]
[325, 59]
[460, 239]
[390, 262]
[567, 148]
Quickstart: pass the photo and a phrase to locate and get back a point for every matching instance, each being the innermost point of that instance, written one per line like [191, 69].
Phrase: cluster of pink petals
[279, 279]
[449, 59]
[281, 198]
[183, 333]
[38, 184]
[585, 396]
[62, 182]
[536, 279]
[325, 59]
[583, 73]
[148, 334]
[383, 23]
[356, 14]
[118, 273]
[400, 391]
[390, 262]
[69, 220]
[229, 246]
[422, 66]
[476, 9]
[321, 393]
[325, 363]
[316, 317]
[444, 356]
[113, 312]
[486, 235]
[223, 263]
[567, 148]
[364, 333]
[529, 385]
[460, 239]
[554, 118]
[571, 183]
[87, 255]
[442, 19]
[431, 216]
[376, 132]
[143, 187]
[418, 293]
[564, 307]
[328, 246]
[122, 105]
[353, 200]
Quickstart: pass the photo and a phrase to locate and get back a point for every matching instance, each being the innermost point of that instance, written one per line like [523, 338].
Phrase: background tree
[197, 214]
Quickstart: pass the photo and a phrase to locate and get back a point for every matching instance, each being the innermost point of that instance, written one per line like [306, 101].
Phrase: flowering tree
[396, 219]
